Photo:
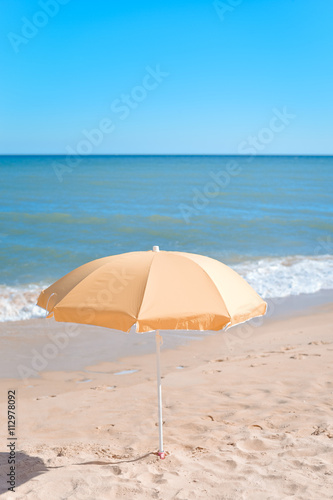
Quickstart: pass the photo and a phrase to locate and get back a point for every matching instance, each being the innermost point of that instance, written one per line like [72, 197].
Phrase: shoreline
[31, 347]
[284, 276]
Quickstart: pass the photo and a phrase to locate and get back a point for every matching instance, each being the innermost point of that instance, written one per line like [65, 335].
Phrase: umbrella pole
[158, 339]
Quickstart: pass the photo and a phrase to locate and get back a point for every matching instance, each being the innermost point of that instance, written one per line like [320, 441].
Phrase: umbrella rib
[210, 279]
[144, 292]
[79, 283]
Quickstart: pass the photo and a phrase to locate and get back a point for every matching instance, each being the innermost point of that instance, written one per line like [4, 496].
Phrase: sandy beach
[247, 415]
[166, 250]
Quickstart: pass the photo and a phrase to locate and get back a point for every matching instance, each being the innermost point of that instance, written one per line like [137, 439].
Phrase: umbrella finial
[156, 249]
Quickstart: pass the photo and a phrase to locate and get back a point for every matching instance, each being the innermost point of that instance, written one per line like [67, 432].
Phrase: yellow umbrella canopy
[154, 290]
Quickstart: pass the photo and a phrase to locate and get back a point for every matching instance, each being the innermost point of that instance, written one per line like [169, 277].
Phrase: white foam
[280, 277]
[19, 302]
[270, 277]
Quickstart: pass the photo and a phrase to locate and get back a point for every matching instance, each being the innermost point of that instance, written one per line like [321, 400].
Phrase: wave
[270, 277]
[19, 302]
[281, 277]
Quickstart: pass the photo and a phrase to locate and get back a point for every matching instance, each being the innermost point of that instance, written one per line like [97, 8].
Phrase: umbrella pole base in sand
[159, 341]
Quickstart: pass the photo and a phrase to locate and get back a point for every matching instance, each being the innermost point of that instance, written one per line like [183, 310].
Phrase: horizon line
[170, 154]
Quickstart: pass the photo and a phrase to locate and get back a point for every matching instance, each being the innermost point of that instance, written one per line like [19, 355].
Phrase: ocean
[269, 218]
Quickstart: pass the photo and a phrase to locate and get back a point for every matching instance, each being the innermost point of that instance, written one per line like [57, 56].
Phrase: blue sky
[225, 69]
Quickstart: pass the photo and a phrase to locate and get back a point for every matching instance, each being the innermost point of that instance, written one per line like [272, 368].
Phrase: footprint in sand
[208, 417]
[301, 355]
[199, 450]
[159, 479]
[231, 464]
[105, 428]
[288, 348]
[251, 445]
[319, 342]
[211, 372]
[116, 470]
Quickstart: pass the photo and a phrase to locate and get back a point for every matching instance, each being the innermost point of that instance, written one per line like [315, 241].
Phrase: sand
[248, 414]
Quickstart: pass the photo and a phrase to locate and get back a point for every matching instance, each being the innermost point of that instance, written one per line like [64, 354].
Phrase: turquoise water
[263, 215]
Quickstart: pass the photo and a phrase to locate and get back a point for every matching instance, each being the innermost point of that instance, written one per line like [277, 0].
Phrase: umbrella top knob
[156, 249]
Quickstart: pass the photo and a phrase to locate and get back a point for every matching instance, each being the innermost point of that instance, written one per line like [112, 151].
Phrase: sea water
[269, 218]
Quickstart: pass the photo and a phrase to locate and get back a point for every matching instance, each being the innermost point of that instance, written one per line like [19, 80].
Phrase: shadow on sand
[26, 468]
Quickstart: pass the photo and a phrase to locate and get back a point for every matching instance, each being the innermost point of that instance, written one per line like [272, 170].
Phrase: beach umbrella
[155, 290]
